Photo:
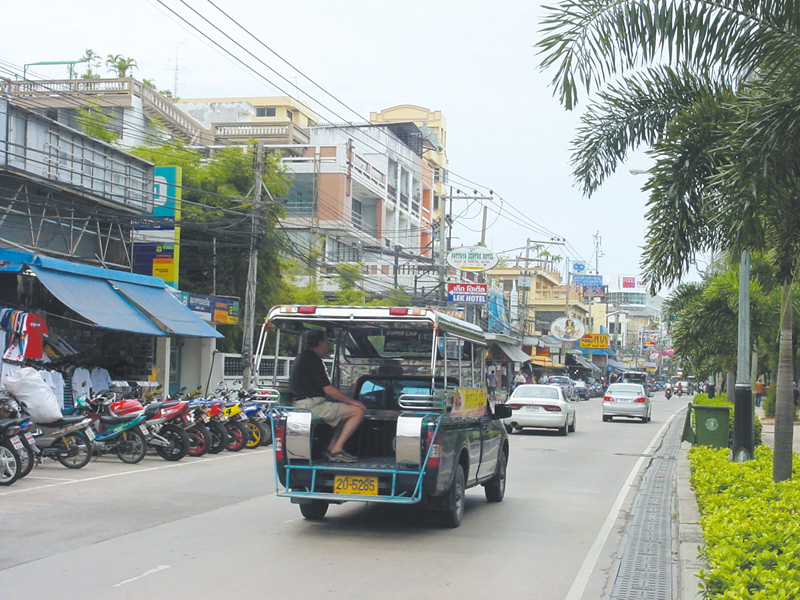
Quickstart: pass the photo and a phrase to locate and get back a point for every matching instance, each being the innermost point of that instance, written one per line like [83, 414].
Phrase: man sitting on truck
[309, 384]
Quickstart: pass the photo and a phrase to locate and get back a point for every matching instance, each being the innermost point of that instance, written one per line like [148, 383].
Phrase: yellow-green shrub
[751, 526]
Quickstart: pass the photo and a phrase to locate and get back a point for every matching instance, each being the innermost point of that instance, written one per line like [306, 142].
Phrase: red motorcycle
[166, 422]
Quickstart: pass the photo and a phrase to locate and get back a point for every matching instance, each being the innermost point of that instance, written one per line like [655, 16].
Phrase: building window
[289, 115]
[265, 111]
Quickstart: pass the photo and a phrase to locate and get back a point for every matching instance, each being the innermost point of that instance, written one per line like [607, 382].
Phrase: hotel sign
[472, 258]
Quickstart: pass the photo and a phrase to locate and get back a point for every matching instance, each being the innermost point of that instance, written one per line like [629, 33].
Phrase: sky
[475, 61]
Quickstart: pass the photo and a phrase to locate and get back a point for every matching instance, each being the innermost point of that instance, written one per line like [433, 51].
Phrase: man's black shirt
[308, 377]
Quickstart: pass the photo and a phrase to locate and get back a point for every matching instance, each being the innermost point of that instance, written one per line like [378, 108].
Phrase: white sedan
[542, 406]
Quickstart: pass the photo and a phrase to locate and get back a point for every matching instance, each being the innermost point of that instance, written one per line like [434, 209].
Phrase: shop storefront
[85, 326]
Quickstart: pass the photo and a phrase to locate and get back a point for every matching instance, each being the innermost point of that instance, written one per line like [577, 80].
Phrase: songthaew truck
[429, 432]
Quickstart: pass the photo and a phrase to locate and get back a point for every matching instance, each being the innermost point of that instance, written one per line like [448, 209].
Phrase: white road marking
[582, 578]
[145, 574]
[203, 460]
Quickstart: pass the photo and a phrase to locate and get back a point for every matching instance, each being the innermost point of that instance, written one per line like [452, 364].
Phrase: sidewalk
[689, 532]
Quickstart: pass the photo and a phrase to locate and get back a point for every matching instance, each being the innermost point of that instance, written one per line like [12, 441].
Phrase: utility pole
[252, 277]
[448, 224]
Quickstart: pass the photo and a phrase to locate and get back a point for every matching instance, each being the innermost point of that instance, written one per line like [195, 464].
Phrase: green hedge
[751, 526]
[721, 400]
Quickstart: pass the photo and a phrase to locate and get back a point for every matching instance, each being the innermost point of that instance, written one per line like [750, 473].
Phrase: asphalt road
[212, 527]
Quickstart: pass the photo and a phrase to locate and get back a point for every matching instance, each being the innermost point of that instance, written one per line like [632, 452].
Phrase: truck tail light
[280, 430]
[640, 399]
[435, 446]
[608, 399]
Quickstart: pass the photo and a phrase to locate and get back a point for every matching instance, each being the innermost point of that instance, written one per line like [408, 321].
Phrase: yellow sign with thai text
[595, 340]
[469, 402]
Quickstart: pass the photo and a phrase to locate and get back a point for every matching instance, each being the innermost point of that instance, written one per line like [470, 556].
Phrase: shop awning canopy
[513, 352]
[545, 361]
[582, 362]
[616, 365]
[113, 299]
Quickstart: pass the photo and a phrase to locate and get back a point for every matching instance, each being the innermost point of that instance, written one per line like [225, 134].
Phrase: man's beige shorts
[330, 412]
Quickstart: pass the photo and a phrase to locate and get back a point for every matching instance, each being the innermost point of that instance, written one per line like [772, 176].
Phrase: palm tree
[724, 177]
[120, 65]
[92, 60]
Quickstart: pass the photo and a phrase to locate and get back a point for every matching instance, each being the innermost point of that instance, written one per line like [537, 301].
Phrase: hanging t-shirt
[7, 370]
[13, 351]
[34, 329]
[81, 383]
[57, 385]
[101, 380]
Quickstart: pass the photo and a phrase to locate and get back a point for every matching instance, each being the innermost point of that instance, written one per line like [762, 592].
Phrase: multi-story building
[433, 125]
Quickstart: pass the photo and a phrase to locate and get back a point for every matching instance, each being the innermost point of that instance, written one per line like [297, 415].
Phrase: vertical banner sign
[156, 238]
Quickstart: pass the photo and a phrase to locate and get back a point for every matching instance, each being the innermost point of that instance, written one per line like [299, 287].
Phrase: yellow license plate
[349, 484]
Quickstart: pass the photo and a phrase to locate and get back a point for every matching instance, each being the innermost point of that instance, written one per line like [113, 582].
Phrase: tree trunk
[730, 385]
[784, 396]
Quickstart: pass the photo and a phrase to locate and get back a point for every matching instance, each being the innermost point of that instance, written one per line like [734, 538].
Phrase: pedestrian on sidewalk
[491, 384]
[759, 391]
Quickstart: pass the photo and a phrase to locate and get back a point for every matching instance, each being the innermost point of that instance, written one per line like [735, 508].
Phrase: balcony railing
[286, 133]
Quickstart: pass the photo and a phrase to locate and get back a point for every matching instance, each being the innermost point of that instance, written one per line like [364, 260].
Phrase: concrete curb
[690, 534]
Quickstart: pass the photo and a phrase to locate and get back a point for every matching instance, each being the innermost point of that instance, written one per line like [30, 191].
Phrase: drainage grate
[646, 569]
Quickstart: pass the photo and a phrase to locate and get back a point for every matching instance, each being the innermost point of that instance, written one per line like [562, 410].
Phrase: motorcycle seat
[63, 421]
[108, 420]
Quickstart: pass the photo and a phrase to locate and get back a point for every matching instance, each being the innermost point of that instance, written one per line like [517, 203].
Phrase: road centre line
[582, 578]
[204, 460]
[145, 574]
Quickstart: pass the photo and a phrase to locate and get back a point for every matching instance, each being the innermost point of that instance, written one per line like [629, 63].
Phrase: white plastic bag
[28, 386]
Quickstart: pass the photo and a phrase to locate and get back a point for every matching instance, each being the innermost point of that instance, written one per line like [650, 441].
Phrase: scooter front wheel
[10, 463]
[74, 450]
[131, 446]
[237, 435]
[219, 437]
[178, 443]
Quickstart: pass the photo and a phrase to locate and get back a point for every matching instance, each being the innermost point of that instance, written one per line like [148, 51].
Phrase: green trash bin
[712, 424]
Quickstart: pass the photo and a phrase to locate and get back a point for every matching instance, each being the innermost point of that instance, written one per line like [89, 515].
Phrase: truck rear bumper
[317, 481]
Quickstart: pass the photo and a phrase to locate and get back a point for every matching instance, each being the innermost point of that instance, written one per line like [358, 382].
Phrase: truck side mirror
[501, 411]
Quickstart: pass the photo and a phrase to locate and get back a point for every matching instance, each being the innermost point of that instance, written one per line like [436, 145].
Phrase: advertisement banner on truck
[469, 402]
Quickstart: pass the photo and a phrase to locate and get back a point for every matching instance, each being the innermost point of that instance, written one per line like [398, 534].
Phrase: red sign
[629, 282]
[668, 351]
[468, 288]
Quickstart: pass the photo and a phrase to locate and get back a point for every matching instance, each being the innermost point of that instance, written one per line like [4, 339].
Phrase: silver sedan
[626, 400]
[542, 406]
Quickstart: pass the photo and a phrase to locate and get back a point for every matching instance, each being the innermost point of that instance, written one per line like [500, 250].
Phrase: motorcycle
[10, 448]
[668, 393]
[215, 411]
[67, 440]
[126, 436]
[165, 423]
[238, 432]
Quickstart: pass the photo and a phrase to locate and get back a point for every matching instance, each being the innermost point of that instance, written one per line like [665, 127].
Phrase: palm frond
[590, 41]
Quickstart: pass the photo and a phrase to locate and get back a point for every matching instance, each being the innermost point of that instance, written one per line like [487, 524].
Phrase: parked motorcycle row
[129, 427]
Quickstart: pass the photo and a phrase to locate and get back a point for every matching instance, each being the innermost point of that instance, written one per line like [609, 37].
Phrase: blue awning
[96, 300]
[167, 310]
[112, 299]
[617, 365]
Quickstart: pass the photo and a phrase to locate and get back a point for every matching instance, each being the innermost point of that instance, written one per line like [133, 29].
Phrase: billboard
[472, 258]
[595, 340]
[567, 329]
[156, 239]
[467, 293]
